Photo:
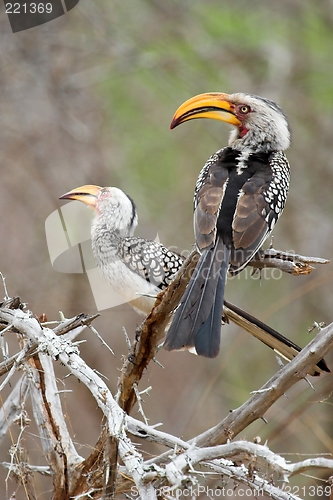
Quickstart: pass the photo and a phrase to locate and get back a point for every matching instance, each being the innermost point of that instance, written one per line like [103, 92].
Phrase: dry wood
[101, 475]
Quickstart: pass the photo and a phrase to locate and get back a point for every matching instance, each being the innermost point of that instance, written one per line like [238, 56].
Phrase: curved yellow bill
[213, 105]
[87, 194]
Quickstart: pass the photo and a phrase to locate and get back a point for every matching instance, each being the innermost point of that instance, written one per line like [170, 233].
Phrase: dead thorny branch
[101, 475]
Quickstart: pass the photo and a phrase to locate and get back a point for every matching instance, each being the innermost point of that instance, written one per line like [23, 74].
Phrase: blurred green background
[88, 99]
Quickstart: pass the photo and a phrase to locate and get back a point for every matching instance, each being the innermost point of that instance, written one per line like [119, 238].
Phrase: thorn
[139, 400]
[319, 326]
[62, 316]
[261, 391]
[310, 384]
[146, 391]
[6, 297]
[280, 362]
[93, 329]
[158, 363]
[150, 295]
[128, 342]
[271, 243]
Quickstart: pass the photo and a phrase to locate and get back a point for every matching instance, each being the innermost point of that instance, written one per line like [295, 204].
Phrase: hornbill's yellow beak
[87, 194]
[214, 105]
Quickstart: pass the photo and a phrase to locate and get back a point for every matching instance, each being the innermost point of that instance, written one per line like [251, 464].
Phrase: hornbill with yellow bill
[138, 269]
[239, 195]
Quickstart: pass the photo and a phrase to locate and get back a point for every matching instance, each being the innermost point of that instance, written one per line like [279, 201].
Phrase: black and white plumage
[239, 196]
[138, 269]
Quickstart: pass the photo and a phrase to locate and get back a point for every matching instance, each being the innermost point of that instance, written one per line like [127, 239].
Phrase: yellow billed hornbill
[239, 195]
[138, 269]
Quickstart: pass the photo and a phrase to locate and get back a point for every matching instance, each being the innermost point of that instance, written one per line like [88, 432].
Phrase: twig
[21, 355]
[17, 358]
[244, 451]
[44, 470]
[252, 480]
[3, 279]
[288, 262]
[79, 321]
[69, 328]
[13, 405]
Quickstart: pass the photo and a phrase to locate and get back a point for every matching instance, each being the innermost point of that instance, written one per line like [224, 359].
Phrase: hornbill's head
[259, 124]
[113, 208]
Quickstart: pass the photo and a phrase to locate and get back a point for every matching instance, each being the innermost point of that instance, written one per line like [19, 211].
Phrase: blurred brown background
[88, 99]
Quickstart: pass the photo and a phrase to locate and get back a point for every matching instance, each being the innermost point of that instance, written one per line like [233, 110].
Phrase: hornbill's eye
[244, 109]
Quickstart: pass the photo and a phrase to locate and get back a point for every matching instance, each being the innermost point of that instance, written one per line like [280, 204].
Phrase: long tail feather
[200, 309]
[180, 330]
[270, 337]
[207, 341]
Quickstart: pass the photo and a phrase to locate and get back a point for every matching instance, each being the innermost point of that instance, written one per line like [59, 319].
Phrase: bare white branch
[210, 449]
[50, 343]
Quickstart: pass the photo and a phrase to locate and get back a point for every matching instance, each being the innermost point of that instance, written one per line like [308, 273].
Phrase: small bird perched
[239, 195]
[138, 269]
